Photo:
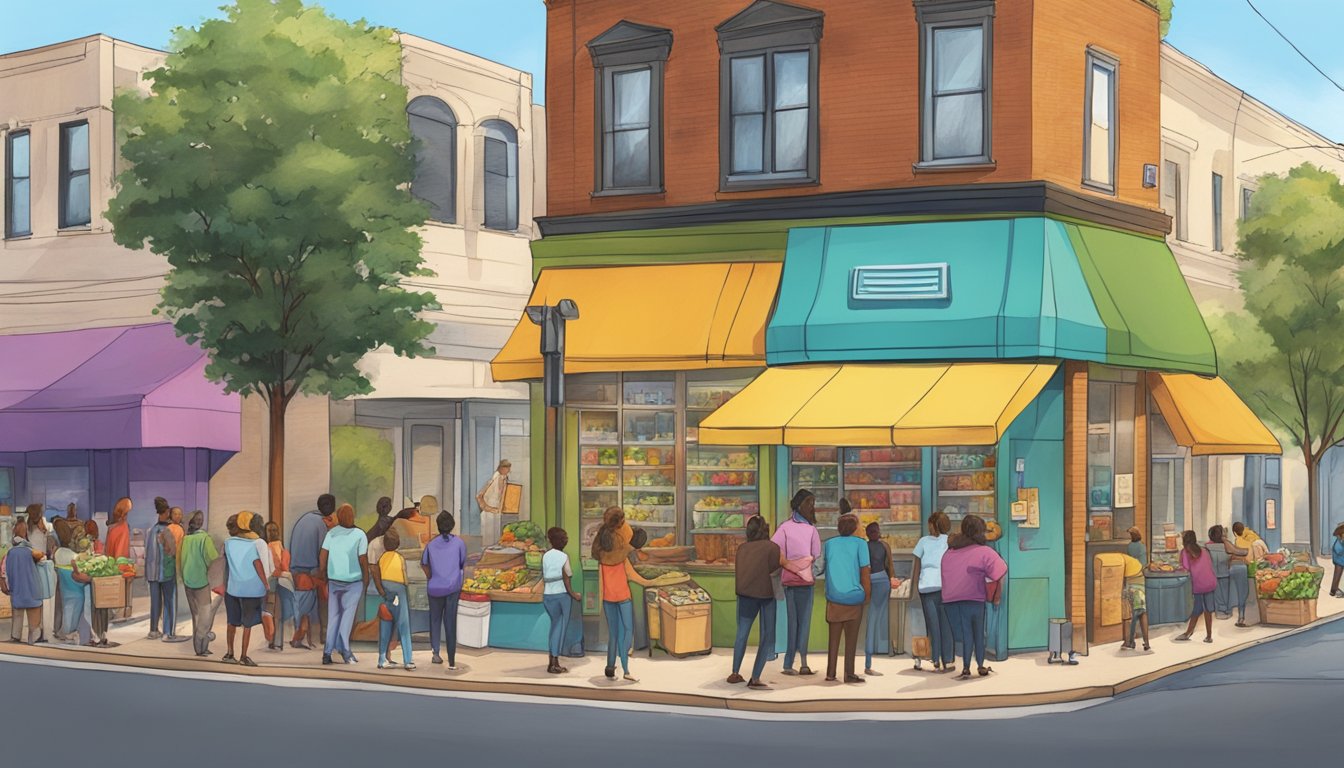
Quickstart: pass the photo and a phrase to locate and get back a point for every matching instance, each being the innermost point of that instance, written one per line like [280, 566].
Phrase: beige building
[1217, 141]
[82, 307]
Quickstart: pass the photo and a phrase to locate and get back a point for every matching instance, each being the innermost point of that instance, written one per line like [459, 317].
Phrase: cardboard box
[1290, 613]
[685, 629]
[109, 592]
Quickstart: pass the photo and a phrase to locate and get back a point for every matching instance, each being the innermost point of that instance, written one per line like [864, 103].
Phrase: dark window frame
[627, 47]
[934, 15]
[765, 29]
[1247, 194]
[67, 174]
[1095, 59]
[435, 102]
[1217, 194]
[510, 180]
[10, 178]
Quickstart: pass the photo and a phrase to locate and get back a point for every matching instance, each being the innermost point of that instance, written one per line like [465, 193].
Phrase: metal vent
[906, 282]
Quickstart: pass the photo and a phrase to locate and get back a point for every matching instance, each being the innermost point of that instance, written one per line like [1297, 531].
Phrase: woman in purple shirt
[972, 573]
[442, 562]
[798, 539]
[1202, 583]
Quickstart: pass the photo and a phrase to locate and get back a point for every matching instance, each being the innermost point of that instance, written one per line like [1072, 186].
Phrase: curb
[657, 698]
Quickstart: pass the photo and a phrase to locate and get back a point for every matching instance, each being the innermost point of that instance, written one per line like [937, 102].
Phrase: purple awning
[104, 388]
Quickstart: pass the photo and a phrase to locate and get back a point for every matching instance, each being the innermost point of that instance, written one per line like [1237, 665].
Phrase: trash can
[473, 621]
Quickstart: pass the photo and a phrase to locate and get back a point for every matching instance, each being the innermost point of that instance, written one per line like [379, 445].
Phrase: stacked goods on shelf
[1288, 585]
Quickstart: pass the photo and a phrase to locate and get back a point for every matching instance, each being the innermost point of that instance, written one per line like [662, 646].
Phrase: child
[1136, 595]
[1337, 557]
[390, 579]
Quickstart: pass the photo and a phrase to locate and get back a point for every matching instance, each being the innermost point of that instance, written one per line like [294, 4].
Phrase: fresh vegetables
[1280, 576]
[523, 532]
[102, 565]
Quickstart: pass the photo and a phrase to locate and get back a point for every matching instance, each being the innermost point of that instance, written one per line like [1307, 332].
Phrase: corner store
[987, 351]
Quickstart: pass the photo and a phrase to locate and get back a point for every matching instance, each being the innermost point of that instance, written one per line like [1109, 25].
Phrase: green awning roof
[1009, 288]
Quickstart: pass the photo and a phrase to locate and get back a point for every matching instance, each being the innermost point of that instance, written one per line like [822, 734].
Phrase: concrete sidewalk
[1022, 680]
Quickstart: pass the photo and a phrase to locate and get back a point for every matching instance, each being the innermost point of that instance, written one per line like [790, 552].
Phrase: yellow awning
[878, 404]
[1207, 417]
[650, 318]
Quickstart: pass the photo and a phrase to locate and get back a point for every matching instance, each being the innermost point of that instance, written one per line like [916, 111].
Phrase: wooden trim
[1075, 499]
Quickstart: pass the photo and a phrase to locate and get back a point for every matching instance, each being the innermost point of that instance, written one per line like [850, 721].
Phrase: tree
[362, 467]
[271, 165]
[1285, 353]
[1164, 8]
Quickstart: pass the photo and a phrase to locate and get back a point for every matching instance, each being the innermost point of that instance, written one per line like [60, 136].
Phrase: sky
[1226, 35]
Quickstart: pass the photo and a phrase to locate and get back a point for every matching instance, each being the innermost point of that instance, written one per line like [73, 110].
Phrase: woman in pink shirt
[1202, 583]
[972, 575]
[798, 539]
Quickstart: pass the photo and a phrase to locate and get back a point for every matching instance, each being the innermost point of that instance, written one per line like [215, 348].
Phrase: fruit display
[685, 595]
[881, 455]
[666, 540]
[721, 479]
[812, 476]
[604, 457]
[640, 457]
[814, 453]
[99, 566]
[648, 479]
[975, 481]
[1165, 564]
[726, 504]
[720, 520]
[637, 514]
[892, 476]
[705, 459]
[524, 532]
[487, 579]
[1281, 576]
[597, 478]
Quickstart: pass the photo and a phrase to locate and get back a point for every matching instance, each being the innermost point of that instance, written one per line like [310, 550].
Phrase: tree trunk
[1313, 503]
[276, 470]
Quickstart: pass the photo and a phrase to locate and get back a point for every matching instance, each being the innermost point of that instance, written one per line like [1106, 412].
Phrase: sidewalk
[1022, 680]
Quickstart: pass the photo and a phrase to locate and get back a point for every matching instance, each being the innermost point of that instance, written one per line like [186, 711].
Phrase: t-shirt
[493, 492]
[757, 562]
[160, 563]
[305, 541]
[1133, 567]
[243, 581]
[797, 540]
[392, 567]
[615, 585]
[554, 568]
[966, 570]
[1138, 551]
[198, 551]
[343, 547]
[879, 557]
[845, 557]
[930, 551]
[1202, 580]
[446, 556]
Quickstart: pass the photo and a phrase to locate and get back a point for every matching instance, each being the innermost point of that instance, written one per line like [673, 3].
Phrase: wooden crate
[109, 592]
[685, 629]
[1291, 613]
[5, 611]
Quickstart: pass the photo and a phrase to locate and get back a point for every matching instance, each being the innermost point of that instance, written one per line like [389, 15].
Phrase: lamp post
[552, 319]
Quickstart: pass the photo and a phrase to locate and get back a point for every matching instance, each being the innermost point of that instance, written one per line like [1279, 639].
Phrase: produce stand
[1288, 586]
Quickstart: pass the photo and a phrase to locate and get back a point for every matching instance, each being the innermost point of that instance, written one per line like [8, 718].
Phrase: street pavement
[1277, 701]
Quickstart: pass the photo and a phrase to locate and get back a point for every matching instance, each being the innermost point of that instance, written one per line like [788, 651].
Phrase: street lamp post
[552, 319]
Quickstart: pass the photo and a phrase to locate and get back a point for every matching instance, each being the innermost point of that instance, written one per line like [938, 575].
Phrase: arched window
[434, 127]
[501, 175]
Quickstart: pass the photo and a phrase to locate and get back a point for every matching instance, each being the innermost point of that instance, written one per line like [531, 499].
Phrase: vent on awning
[907, 282]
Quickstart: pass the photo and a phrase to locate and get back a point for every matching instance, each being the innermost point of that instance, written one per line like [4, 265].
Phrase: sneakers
[326, 659]
[408, 667]
[155, 635]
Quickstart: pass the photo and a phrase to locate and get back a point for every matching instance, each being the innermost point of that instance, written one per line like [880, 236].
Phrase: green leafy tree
[1164, 8]
[362, 467]
[1285, 352]
[271, 165]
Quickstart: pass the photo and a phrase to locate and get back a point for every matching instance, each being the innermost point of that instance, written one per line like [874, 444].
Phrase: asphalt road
[1281, 701]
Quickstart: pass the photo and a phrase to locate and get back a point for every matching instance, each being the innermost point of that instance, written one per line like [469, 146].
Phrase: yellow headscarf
[245, 525]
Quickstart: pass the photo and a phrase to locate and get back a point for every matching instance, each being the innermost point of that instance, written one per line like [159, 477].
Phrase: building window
[956, 63]
[769, 121]
[1246, 194]
[434, 128]
[75, 175]
[1099, 133]
[628, 60]
[501, 175]
[1171, 197]
[18, 221]
[1217, 212]
[426, 467]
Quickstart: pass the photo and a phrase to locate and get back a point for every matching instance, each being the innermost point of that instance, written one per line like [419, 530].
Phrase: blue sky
[1224, 34]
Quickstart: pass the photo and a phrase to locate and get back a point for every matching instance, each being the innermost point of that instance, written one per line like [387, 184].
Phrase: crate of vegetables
[110, 576]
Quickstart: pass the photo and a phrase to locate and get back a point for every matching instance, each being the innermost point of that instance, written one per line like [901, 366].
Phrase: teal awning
[985, 290]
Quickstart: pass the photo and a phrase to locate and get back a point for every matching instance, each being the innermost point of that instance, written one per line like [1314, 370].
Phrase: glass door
[1167, 504]
[964, 481]
[649, 456]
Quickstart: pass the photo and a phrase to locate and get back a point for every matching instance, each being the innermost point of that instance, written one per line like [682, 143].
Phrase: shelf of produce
[651, 488]
[599, 466]
[816, 463]
[965, 471]
[965, 493]
[897, 487]
[629, 442]
[698, 468]
[709, 488]
[607, 488]
[878, 464]
[649, 466]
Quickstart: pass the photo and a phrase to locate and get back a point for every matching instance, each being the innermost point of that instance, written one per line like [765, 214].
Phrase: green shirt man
[198, 552]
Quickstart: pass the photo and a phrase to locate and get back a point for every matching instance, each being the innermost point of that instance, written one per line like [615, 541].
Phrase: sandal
[735, 678]
[758, 685]
[1208, 639]
[247, 661]
[965, 675]
[1146, 647]
[789, 672]
[1181, 638]
[806, 670]
[629, 678]
[228, 658]
[871, 673]
[854, 679]
[984, 671]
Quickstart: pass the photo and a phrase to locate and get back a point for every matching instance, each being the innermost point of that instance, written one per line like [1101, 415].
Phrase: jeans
[202, 618]
[942, 646]
[879, 625]
[401, 620]
[748, 608]
[1241, 588]
[342, 605]
[620, 626]
[286, 607]
[163, 600]
[558, 607]
[798, 601]
[443, 620]
[1222, 595]
[969, 618]
[72, 612]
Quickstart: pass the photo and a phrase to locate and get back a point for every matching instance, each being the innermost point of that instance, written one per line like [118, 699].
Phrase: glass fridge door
[964, 481]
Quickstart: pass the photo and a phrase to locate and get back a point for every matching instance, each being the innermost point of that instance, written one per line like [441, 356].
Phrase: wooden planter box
[109, 592]
[1291, 613]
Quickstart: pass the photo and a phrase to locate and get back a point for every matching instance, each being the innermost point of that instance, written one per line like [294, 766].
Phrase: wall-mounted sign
[1031, 498]
[899, 282]
[1124, 491]
[1271, 515]
[1019, 511]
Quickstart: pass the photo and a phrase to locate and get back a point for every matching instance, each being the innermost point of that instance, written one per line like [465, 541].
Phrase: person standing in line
[1136, 597]
[19, 582]
[344, 564]
[972, 575]
[257, 529]
[177, 527]
[611, 550]
[491, 501]
[558, 595]
[381, 525]
[39, 536]
[758, 560]
[1224, 552]
[245, 588]
[1136, 548]
[389, 577]
[119, 541]
[798, 539]
[99, 618]
[281, 585]
[1337, 560]
[95, 538]
[929, 552]
[443, 561]
[305, 550]
[1198, 562]
[879, 606]
[848, 588]
[1239, 568]
[161, 572]
[198, 552]
[72, 591]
